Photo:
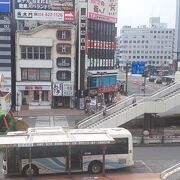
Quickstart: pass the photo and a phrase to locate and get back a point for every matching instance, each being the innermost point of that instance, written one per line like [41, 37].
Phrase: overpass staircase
[120, 113]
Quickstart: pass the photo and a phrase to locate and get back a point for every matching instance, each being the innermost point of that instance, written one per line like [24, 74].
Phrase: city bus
[55, 150]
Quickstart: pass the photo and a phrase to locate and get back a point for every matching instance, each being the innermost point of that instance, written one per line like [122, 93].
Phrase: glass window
[33, 74]
[36, 74]
[62, 34]
[36, 95]
[63, 75]
[23, 52]
[63, 48]
[120, 147]
[48, 53]
[33, 52]
[24, 74]
[36, 52]
[42, 53]
[29, 52]
[64, 62]
[44, 95]
[45, 74]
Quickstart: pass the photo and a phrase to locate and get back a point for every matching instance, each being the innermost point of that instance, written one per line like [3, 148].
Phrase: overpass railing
[173, 173]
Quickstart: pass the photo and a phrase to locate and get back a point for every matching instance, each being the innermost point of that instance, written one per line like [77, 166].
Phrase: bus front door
[76, 158]
[13, 161]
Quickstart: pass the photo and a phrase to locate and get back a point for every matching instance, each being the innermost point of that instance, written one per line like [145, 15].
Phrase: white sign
[68, 89]
[57, 89]
[5, 103]
[39, 15]
[104, 10]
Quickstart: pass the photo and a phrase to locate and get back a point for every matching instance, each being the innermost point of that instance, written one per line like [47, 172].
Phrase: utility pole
[177, 59]
[127, 69]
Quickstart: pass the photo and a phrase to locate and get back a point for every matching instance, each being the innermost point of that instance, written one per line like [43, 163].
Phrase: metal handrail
[108, 109]
[170, 173]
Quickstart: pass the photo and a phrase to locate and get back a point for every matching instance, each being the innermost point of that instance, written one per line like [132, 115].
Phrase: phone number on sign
[48, 14]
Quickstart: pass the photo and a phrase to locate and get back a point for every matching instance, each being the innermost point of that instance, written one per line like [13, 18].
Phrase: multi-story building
[153, 45]
[45, 66]
[6, 55]
[177, 34]
[96, 69]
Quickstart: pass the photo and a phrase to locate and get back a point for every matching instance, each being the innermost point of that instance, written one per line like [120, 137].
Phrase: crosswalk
[51, 121]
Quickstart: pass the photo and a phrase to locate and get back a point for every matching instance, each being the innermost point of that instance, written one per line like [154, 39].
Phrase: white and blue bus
[54, 150]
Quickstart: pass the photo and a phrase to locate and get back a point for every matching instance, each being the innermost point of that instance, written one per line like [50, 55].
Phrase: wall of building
[45, 36]
[153, 45]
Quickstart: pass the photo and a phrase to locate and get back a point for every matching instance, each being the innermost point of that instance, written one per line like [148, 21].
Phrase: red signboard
[69, 16]
[101, 44]
[107, 89]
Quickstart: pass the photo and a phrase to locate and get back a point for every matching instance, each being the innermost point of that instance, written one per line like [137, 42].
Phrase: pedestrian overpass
[159, 102]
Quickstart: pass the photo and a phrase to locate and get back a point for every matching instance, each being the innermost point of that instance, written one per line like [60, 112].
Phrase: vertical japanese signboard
[54, 10]
[5, 43]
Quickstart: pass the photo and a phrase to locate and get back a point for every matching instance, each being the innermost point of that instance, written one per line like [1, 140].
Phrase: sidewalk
[50, 112]
[133, 176]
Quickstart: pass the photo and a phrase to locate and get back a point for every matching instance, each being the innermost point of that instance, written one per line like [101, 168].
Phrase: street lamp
[177, 59]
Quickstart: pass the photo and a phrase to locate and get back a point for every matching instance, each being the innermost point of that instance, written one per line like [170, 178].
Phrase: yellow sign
[5, 102]
[1, 80]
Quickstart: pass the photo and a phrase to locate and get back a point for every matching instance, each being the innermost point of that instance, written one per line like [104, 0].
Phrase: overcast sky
[137, 12]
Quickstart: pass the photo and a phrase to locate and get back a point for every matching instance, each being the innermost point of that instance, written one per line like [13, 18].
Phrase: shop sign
[45, 10]
[33, 88]
[57, 89]
[68, 89]
[108, 89]
[104, 10]
[5, 102]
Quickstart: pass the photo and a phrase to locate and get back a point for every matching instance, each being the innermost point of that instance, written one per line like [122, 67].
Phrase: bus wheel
[27, 171]
[95, 167]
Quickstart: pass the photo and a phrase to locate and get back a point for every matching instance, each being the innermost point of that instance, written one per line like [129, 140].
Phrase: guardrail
[167, 90]
[156, 140]
[110, 110]
[173, 173]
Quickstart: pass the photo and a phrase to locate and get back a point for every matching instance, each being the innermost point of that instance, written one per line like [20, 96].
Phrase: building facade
[6, 54]
[97, 73]
[45, 66]
[177, 34]
[153, 45]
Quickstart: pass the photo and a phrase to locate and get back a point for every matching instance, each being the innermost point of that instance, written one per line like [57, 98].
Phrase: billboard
[104, 10]
[5, 6]
[5, 43]
[54, 10]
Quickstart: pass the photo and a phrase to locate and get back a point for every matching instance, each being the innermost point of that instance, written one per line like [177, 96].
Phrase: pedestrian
[134, 101]
[104, 111]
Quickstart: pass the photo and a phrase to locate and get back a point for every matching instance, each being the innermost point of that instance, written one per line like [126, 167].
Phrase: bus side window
[120, 147]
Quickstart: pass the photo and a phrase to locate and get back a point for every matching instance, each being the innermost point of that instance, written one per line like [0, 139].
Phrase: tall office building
[96, 38]
[5, 44]
[153, 45]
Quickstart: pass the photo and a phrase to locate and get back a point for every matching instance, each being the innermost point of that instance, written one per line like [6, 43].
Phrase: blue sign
[138, 67]
[5, 6]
